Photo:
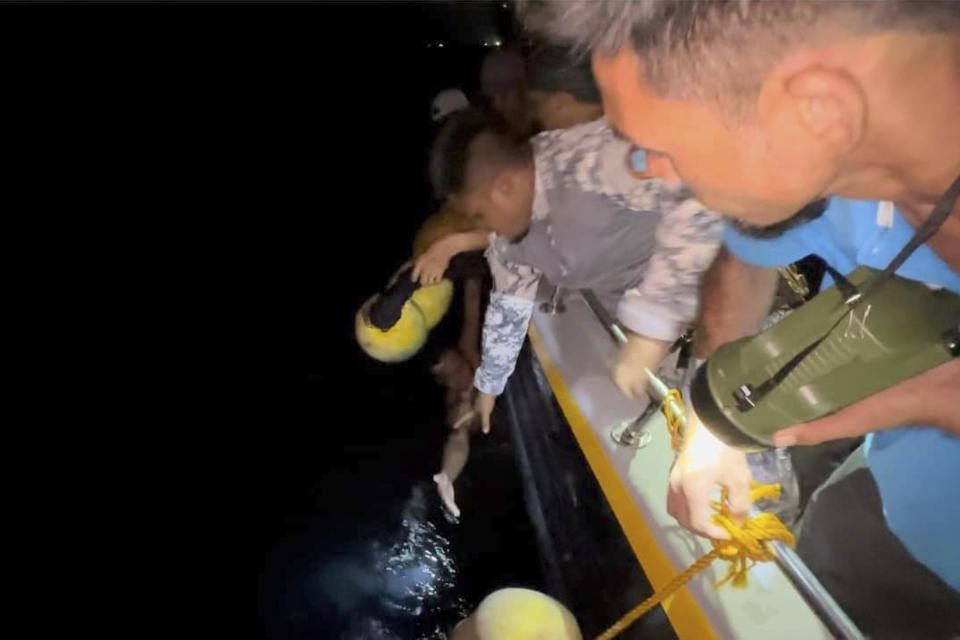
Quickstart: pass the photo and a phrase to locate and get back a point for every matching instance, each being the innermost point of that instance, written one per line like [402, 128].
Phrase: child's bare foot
[445, 489]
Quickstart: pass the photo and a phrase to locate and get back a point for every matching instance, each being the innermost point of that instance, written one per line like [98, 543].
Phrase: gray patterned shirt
[640, 241]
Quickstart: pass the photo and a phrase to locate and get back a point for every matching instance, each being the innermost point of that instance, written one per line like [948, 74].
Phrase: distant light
[497, 43]
[504, 5]
[440, 44]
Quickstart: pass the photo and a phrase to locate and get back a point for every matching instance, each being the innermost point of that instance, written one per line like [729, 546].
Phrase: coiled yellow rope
[745, 547]
[674, 412]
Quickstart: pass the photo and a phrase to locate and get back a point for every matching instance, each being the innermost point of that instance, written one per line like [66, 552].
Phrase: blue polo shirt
[917, 468]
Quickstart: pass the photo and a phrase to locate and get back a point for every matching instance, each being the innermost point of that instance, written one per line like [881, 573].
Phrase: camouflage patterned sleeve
[505, 324]
[687, 240]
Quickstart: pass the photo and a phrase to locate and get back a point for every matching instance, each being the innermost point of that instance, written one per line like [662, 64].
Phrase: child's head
[485, 172]
[561, 88]
[503, 84]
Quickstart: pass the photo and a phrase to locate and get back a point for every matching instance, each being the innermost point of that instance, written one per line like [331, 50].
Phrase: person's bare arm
[430, 267]
[735, 297]
[469, 343]
[930, 398]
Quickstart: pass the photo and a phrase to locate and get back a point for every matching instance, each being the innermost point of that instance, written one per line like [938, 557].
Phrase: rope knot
[746, 545]
[675, 413]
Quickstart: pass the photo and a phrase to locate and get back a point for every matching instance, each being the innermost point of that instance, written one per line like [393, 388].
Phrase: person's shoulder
[444, 222]
[852, 223]
[586, 136]
[595, 128]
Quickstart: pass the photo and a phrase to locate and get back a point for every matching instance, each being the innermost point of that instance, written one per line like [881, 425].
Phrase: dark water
[352, 542]
[355, 544]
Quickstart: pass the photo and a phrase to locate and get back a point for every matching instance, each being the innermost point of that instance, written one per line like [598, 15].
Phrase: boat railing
[833, 617]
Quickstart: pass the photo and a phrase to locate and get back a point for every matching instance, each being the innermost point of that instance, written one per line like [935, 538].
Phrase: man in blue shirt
[761, 108]
[906, 479]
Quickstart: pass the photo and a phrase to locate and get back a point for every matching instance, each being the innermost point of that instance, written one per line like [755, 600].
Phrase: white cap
[446, 102]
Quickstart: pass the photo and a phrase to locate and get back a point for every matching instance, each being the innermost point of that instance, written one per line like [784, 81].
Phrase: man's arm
[469, 343]
[504, 328]
[432, 264]
[930, 398]
[735, 298]
[665, 303]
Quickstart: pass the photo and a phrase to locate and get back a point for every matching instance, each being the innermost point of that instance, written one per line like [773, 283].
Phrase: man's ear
[504, 184]
[829, 105]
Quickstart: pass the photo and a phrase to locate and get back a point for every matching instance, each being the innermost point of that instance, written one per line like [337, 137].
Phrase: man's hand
[704, 466]
[638, 354]
[930, 398]
[429, 268]
[484, 406]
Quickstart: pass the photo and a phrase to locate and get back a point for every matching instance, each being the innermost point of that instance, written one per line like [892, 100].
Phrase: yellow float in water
[524, 614]
[397, 344]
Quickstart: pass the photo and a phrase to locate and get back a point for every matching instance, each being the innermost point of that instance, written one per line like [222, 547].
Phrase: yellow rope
[668, 590]
[747, 543]
[674, 412]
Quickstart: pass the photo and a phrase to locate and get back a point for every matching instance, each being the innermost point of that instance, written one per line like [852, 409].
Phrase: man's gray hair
[716, 49]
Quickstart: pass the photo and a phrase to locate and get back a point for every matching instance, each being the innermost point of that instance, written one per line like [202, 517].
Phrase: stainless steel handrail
[615, 330]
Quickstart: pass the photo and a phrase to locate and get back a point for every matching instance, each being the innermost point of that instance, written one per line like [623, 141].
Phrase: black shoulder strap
[747, 396]
[922, 234]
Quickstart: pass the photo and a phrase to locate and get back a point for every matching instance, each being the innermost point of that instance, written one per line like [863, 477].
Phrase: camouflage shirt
[641, 244]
